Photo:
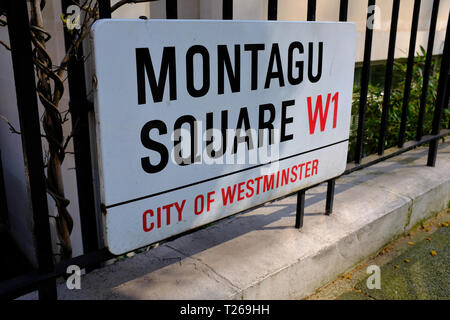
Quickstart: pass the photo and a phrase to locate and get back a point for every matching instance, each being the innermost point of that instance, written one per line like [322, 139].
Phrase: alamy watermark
[230, 146]
[74, 279]
[374, 280]
[374, 17]
[72, 17]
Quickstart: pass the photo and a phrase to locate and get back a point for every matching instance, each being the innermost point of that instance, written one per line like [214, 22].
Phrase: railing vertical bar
[409, 70]
[311, 16]
[364, 85]
[440, 98]
[426, 70]
[388, 77]
[24, 79]
[272, 12]
[311, 11]
[104, 8]
[79, 110]
[343, 10]
[171, 9]
[300, 212]
[330, 196]
[227, 10]
[331, 184]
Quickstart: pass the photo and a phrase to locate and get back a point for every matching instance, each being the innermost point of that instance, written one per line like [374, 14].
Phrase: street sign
[197, 120]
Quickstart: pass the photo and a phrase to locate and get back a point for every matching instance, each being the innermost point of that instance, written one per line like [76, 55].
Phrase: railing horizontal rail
[394, 151]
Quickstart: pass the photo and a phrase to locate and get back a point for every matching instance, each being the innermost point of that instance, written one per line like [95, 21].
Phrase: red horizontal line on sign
[221, 176]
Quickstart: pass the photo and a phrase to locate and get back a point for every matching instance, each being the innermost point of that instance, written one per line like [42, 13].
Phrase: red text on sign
[148, 217]
[319, 111]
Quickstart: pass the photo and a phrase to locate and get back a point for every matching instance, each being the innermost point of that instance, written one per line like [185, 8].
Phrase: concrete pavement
[416, 266]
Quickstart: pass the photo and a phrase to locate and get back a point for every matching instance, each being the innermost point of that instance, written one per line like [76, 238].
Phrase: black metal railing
[43, 279]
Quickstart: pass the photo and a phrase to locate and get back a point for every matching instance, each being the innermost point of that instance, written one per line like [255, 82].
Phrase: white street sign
[197, 120]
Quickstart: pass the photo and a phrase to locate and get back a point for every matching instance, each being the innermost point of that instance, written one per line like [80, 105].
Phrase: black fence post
[343, 10]
[427, 69]
[330, 196]
[272, 12]
[171, 9]
[409, 70]
[227, 10]
[24, 79]
[388, 77]
[104, 8]
[311, 16]
[331, 184]
[311, 10]
[79, 109]
[440, 98]
[364, 85]
[300, 212]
